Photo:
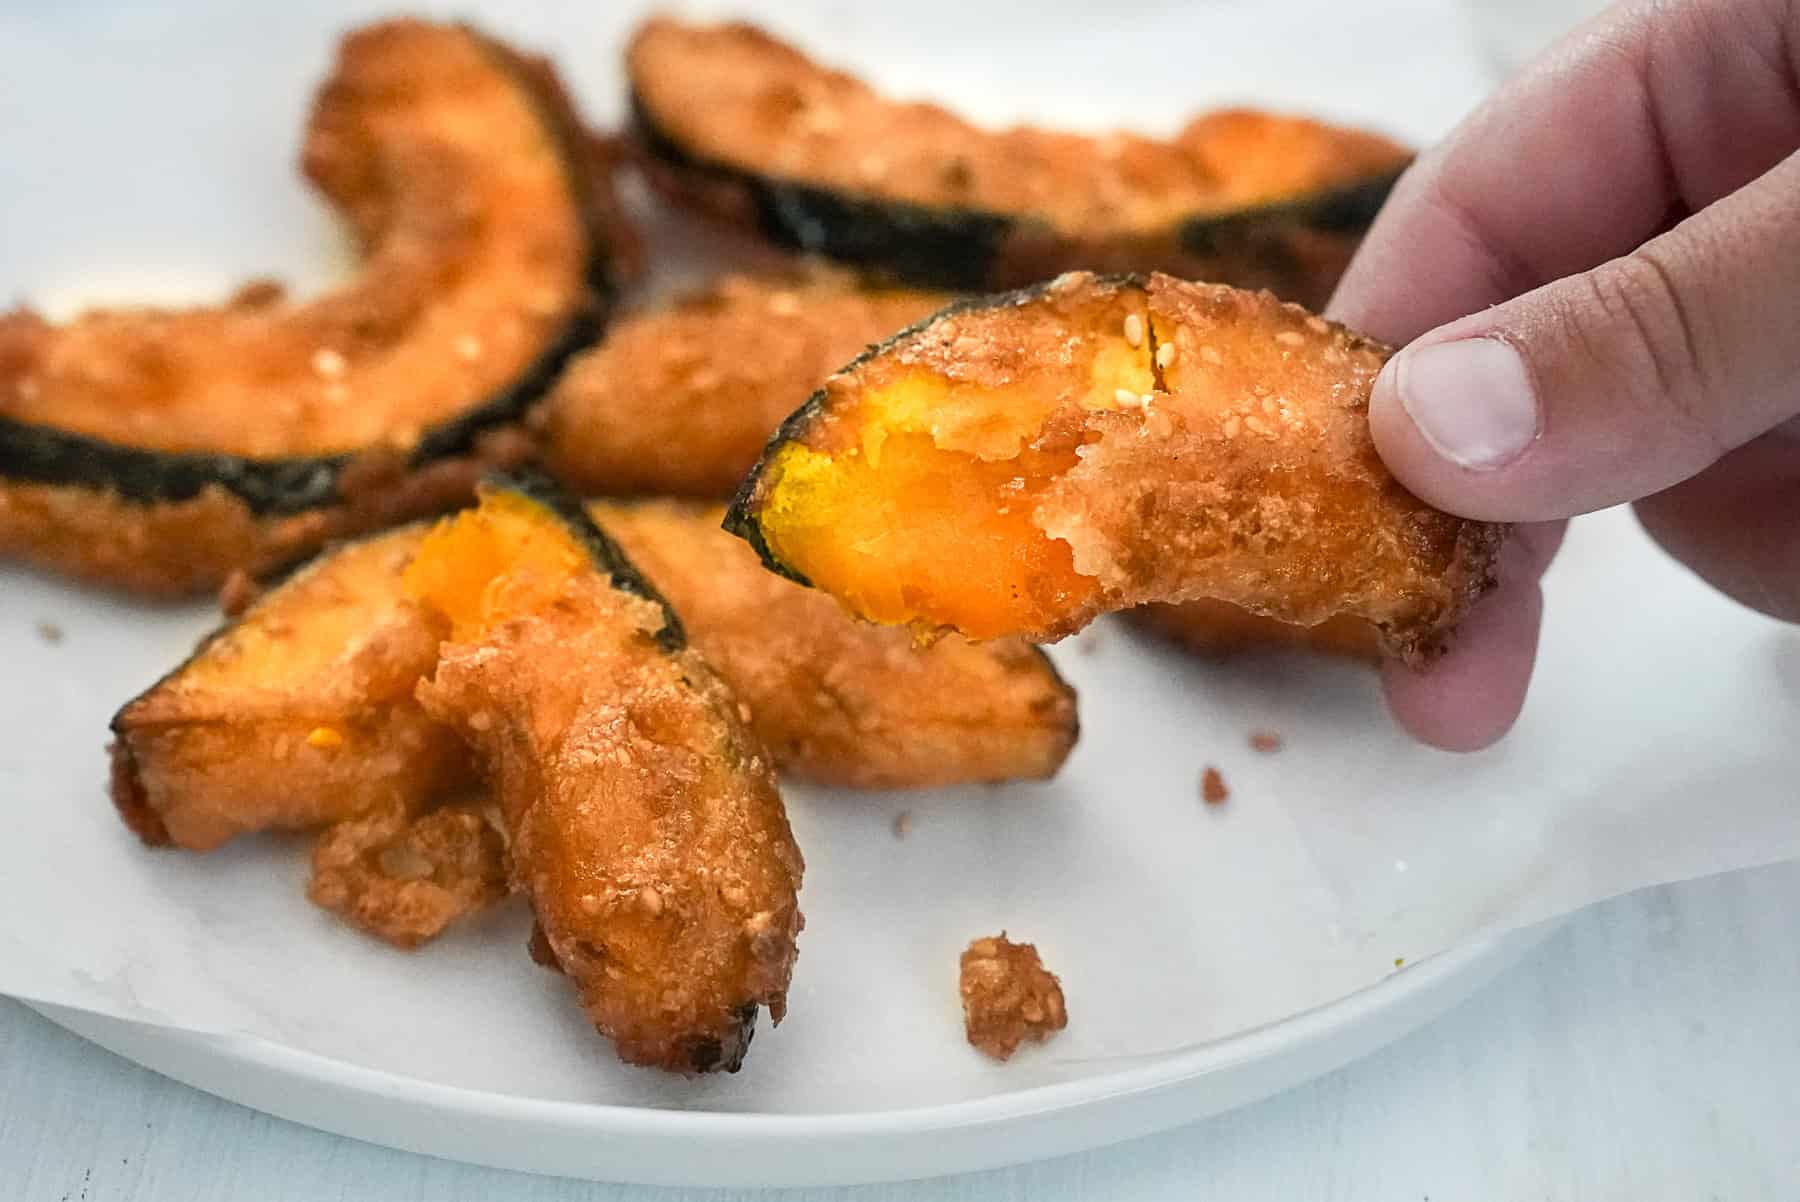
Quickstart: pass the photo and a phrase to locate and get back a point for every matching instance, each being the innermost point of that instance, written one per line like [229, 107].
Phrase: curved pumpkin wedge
[643, 818]
[1019, 464]
[748, 128]
[298, 713]
[159, 450]
[679, 401]
[1216, 629]
[841, 702]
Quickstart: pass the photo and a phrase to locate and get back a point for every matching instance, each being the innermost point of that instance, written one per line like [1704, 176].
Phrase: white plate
[156, 164]
[712, 1149]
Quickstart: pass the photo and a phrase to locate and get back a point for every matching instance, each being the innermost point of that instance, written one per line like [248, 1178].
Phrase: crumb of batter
[50, 632]
[1267, 742]
[404, 877]
[1212, 787]
[1008, 996]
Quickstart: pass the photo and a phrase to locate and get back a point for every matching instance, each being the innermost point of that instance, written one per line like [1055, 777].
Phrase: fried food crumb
[1265, 741]
[238, 593]
[902, 824]
[1008, 996]
[50, 632]
[404, 878]
[1212, 787]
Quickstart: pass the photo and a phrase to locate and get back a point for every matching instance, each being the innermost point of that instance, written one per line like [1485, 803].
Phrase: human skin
[1594, 278]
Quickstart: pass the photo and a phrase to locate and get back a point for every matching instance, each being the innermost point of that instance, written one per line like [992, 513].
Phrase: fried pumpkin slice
[841, 702]
[1019, 464]
[679, 401]
[1218, 629]
[747, 127]
[157, 450]
[643, 819]
[297, 714]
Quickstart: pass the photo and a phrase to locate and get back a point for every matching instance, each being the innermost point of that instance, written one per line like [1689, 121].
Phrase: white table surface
[1649, 1050]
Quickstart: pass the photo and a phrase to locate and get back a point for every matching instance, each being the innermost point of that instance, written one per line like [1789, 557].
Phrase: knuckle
[1643, 327]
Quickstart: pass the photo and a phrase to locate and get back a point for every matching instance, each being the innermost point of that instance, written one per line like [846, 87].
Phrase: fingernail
[1471, 399]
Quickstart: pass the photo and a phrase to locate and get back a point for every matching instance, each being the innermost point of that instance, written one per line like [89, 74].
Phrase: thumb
[1610, 385]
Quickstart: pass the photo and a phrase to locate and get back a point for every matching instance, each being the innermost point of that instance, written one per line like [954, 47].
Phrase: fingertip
[1406, 452]
[1472, 695]
[1452, 416]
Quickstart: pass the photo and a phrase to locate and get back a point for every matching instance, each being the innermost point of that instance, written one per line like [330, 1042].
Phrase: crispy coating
[725, 108]
[679, 401]
[404, 877]
[842, 702]
[445, 152]
[298, 714]
[1018, 465]
[645, 826]
[1008, 996]
[1217, 629]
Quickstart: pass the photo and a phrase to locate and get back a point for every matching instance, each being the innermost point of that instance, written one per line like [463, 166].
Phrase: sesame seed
[1230, 427]
[1211, 356]
[1318, 325]
[1126, 398]
[468, 348]
[873, 166]
[1134, 330]
[324, 738]
[651, 901]
[329, 363]
[1290, 338]
[28, 389]
[784, 304]
[1256, 425]
[1146, 399]
[1165, 355]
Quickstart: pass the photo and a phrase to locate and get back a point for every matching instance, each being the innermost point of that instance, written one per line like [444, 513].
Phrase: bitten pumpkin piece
[1021, 463]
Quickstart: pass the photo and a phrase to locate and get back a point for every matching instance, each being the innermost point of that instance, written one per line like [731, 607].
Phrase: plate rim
[1267, 1041]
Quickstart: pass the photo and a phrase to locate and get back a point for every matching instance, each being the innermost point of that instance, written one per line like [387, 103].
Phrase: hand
[1629, 207]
